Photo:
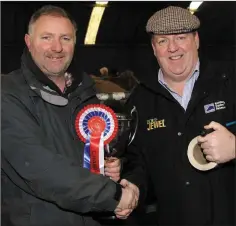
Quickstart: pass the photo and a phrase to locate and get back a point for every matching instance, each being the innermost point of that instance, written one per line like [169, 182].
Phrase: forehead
[170, 35]
[53, 24]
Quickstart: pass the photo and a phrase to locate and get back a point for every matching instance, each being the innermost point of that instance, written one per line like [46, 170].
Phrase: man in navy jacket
[185, 94]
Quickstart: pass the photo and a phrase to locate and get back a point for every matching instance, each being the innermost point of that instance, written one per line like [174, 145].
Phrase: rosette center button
[96, 125]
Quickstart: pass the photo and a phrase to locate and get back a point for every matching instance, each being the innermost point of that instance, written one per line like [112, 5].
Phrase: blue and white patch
[209, 108]
[219, 105]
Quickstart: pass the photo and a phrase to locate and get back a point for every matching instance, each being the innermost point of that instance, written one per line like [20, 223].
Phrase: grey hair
[50, 10]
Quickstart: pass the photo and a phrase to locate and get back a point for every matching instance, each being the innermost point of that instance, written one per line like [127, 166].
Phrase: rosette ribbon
[96, 125]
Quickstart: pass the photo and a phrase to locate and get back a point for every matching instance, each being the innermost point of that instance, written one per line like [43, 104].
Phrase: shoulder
[15, 90]
[141, 96]
[13, 82]
[219, 67]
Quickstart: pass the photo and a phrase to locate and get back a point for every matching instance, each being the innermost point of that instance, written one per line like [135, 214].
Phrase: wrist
[233, 148]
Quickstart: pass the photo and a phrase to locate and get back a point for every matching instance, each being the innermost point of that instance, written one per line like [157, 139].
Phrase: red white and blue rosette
[96, 125]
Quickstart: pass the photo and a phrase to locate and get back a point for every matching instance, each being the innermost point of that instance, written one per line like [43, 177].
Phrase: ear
[28, 41]
[196, 38]
[153, 47]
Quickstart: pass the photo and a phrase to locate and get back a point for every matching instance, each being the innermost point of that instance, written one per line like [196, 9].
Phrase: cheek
[161, 53]
[39, 48]
[69, 49]
[188, 48]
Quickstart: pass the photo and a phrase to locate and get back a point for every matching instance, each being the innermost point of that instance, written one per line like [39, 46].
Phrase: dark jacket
[43, 181]
[184, 195]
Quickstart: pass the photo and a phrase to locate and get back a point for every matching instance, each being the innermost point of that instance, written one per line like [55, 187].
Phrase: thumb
[124, 182]
[213, 125]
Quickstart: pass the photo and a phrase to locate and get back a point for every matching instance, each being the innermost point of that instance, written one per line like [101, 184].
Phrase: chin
[56, 71]
[178, 73]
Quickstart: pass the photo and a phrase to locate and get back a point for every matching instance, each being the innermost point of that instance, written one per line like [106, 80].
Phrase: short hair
[50, 10]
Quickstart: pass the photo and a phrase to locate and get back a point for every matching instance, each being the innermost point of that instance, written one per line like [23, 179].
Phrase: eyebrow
[49, 33]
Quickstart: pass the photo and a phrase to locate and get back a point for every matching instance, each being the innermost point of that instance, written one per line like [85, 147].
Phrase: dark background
[122, 42]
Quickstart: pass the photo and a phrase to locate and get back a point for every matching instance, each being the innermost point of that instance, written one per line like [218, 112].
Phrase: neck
[177, 87]
[59, 81]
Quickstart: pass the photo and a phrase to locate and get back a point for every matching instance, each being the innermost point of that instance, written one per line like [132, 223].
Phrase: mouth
[176, 57]
[55, 58]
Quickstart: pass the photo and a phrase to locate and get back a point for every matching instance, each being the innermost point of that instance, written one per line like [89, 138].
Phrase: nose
[56, 46]
[172, 46]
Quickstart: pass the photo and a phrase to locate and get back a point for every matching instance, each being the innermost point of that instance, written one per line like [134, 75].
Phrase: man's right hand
[127, 203]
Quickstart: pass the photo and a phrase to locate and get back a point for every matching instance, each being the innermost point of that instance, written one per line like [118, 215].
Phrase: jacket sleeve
[51, 177]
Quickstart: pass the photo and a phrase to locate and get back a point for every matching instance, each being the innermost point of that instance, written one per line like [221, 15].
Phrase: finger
[209, 158]
[121, 217]
[112, 170]
[205, 145]
[214, 125]
[136, 192]
[123, 214]
[111, 160]
[124, 182]
[113, 164]
[134, 188]
[201, 139]
[206, 151]
[206, 139]
[135, 203]
[136, 197]
[112, 174]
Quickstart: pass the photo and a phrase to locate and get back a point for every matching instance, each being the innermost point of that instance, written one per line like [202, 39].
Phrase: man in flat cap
[183, 96]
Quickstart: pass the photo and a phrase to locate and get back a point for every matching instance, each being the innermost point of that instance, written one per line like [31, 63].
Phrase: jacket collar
[41, 85]
[36, 75]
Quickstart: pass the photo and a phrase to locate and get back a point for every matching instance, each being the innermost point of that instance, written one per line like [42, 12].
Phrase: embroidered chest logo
[154, 124]
[214, 107]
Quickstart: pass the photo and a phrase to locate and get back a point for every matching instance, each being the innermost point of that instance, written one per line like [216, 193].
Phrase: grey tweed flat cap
[172, 20]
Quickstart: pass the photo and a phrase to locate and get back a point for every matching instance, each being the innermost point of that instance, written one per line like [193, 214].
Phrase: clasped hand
[113, 168]
[130, 192]
[129, 199]
[218, 146]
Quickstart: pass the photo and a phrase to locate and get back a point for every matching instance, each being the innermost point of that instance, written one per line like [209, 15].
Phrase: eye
[162, 41]
[181, 37]
[45, 37]
[66, 38]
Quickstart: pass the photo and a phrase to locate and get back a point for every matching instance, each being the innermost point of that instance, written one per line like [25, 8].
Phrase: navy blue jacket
[184, 195]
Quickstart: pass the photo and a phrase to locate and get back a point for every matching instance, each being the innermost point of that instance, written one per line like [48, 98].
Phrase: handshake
[129, 199]
[130, 192]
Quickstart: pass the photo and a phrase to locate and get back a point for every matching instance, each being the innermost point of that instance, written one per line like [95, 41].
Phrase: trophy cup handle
[136, 125]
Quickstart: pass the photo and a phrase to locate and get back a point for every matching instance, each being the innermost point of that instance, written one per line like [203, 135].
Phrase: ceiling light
[194, 6]
[94, 23]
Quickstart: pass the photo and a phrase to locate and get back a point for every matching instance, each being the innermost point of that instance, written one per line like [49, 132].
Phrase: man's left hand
[218, 146]
[112, 168]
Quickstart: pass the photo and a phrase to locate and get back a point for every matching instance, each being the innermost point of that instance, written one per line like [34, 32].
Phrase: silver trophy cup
[127, 123]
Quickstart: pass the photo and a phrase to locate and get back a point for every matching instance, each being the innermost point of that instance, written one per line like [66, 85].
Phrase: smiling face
[51, 43]
[177, 54]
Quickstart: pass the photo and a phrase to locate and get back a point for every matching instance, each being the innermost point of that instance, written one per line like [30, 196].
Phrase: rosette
[96, 125]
